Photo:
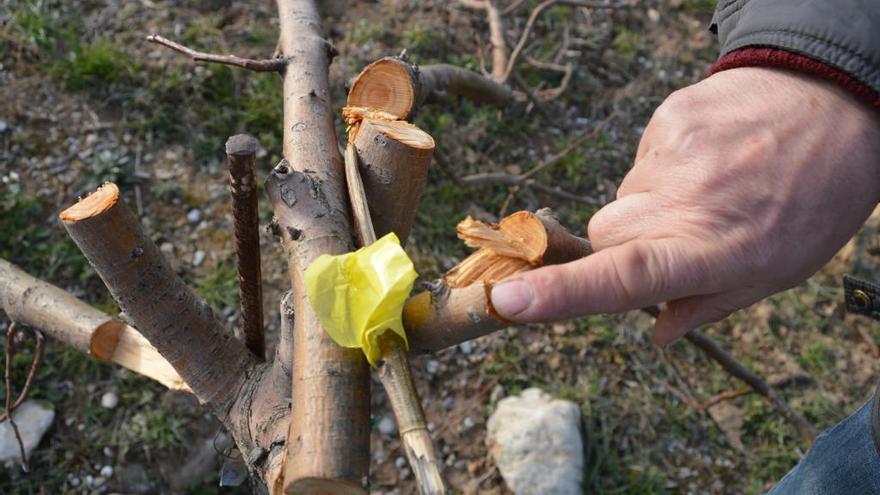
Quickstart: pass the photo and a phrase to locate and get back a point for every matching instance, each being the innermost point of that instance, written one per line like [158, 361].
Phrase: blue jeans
[843, 461]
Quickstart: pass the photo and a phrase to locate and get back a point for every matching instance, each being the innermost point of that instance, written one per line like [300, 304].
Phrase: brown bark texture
[241, 151]
[180, 325]
[394, 159]
[394, 86]
[328, 439]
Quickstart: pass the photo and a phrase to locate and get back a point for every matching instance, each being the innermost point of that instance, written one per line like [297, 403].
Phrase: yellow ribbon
[358, 296]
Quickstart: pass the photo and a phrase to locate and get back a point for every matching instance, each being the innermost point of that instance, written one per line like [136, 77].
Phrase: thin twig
[516, 180]
[29, 381]
[553, 160]
[525, 180]
[265, 65]
[517, 50]
[702, 406]
[10, 342]
[752, 379]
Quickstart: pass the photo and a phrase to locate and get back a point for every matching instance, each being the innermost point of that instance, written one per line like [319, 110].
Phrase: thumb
[619, 278]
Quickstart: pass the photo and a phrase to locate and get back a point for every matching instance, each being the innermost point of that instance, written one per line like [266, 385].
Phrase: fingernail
[511, 298]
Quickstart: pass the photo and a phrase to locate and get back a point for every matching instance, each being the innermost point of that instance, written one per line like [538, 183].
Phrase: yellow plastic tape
[358, 296]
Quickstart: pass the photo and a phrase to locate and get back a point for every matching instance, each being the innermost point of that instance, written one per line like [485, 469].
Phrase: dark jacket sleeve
[845, 34]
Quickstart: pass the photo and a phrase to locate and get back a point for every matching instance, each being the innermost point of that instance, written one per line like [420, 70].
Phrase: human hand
[744, 185]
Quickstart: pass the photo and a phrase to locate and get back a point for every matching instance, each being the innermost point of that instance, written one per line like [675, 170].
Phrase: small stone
[433, 366]
[536, 443]
[400, 462]
[199, 257]
[387, 426]
[3, 127]
[466, 347]
[109, 400]
[90, 480]
[167, 248]
[100, 480]
[194, 215]
[107, 471]
[468, 422]
[75, 482]
[448, 403]
[32, 420]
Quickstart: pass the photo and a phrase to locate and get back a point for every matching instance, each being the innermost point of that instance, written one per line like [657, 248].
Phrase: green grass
[93, 66]
[219, 286]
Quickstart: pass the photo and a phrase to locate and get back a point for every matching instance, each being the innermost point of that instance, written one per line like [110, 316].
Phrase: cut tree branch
[394, 157]
[177, 322]
[62, 316]
[393, 86]
[329, 432]
[241, 151]
[266, 65]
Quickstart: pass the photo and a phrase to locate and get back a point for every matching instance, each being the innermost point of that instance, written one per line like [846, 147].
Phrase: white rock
[199, 257]
[32, 420]
[432, 366]
[387, 426]
[107, 471]
[536, 443]
[109, 400]
[194, 215]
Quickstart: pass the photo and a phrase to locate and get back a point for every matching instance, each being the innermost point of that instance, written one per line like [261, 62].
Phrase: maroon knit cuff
[776, 57]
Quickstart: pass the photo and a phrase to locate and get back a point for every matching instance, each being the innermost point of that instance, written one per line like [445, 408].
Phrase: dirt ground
[84, 99]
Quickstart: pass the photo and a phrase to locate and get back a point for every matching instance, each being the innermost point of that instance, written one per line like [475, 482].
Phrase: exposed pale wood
[64, 317]
[134, 351]
[174, 320]
[458, 308]
[329, 431]
[241, 151]
[519, 242]
[394, 86]
[393, 162]
[396, 377]
[394, 371]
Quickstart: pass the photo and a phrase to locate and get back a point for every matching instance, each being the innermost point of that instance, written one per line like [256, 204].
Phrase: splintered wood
[520, 242]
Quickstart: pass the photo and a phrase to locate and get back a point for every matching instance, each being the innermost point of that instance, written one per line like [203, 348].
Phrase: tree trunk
[328, 440]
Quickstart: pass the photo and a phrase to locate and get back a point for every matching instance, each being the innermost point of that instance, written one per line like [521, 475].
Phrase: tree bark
[241, 151]
[60, 315]
[394, 158]
[180, 325]
[328, 439]
[394, 86]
